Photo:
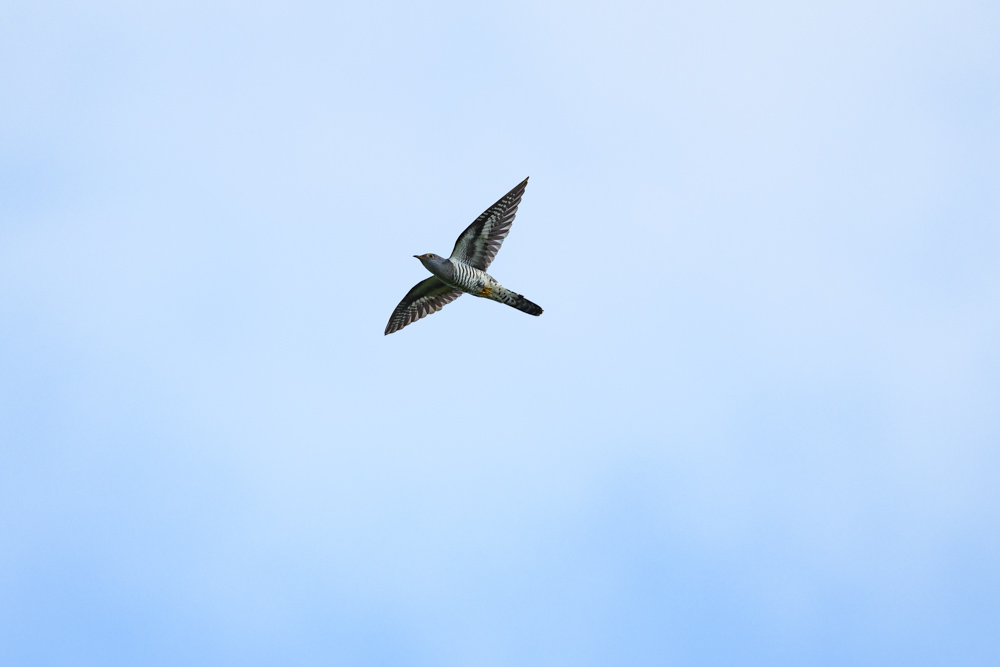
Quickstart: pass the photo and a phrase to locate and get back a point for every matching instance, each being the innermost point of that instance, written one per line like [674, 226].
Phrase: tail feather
[524, 305]
[513, 299]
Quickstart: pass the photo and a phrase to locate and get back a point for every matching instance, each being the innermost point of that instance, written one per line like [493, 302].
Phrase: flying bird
[465, 270]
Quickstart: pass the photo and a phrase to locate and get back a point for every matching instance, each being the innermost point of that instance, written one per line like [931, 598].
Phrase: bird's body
[474, 281]
[465, 270]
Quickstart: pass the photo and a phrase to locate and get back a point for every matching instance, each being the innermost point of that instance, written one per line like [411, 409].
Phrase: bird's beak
[417, 256]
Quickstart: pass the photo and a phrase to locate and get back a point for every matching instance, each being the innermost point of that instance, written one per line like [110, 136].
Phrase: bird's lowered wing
[478, 244]
[426, 297]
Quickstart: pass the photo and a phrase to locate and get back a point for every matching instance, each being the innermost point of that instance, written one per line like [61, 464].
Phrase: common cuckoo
[465, 270]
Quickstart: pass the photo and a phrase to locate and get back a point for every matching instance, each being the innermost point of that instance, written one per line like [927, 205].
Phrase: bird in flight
[465, 270]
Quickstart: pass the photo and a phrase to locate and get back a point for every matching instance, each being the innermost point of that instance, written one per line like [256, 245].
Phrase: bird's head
[430, 259]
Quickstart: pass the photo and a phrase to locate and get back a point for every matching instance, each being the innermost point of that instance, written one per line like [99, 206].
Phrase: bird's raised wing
[426, 297]
[478, 244]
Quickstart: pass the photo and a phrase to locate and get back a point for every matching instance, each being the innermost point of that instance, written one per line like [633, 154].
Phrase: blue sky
[756, 424]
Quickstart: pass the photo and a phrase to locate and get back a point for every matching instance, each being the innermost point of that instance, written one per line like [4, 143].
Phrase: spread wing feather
[426, 297]
[479, 243]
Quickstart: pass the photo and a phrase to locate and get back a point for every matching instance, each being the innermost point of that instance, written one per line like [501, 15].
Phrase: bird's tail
[504, 295]
[526, 306]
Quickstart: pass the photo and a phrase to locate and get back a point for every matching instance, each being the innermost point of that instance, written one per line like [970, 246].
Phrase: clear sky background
[758, 423]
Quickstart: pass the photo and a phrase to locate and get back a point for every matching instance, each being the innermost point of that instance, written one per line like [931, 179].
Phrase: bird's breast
[473, 280]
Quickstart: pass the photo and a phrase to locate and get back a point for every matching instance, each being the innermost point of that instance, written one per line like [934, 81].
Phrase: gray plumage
[465, 270]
